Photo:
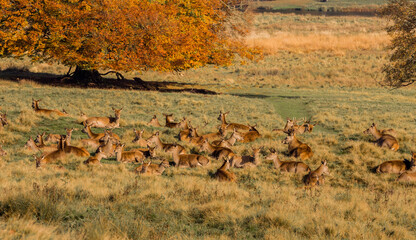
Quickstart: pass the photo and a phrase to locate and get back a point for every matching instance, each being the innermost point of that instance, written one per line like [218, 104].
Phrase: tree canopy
[121, 35]
[401, 69]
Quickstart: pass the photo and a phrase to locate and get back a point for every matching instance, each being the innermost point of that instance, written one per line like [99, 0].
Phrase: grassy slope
[335, 87]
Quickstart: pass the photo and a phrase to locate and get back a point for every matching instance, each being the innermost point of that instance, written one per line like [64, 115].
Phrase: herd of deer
[216, 144]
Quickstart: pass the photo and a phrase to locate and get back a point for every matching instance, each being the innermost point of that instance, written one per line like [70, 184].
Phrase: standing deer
[105, 122]
[246, 161]
[382, 140]
[296, 148]
[154, 122]
[188, 160]
[128, 156]
[287, 166]
[166, 147]
[223, 173]
[230, 126]
[35, 106]
[152, 169]
[316, 177]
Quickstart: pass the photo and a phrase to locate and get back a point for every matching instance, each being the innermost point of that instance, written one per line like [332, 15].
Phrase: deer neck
[232, 140]
[276, 161]
[41, 142]
[295, 143]
[225, 166]
[320, 170]
[376, 133]
[257, 158]
[36, 107]
[119, 155]
[32, 145]
[68, 138]
[90, 133]
[208, 147]
[175, 156]
[159, 143]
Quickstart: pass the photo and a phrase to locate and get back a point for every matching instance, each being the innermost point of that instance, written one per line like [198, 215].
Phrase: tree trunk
[82, 76]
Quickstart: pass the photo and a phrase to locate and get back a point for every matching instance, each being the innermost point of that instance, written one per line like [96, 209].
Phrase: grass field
[332, 5]
[337, 87]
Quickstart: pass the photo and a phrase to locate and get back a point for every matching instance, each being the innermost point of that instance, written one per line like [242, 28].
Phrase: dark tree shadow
[17, 75]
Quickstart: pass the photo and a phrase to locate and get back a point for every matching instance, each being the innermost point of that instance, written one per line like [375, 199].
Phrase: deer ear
[324, 162]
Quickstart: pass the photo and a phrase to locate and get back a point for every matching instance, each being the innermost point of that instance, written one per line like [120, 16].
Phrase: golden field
[335, 84]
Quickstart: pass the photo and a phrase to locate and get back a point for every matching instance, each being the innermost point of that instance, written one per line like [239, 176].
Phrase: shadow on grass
[17, 75]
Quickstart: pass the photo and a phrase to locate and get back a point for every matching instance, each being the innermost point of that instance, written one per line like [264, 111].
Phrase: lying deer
[246, 161]
[291, 125]
[152, 169]
[408, 176]
[35, 106]
[169, 118]
[223, 173]
[230, 126]
[51, 156]
[92, 135]
[397, 166]
[128, 156]
[32, 146]
[54, 138]
[195, 138]
[188, 160]
[296, 148]
[96, 159]
[183, 124]
[148, 152]
[235, 136]
[2, 152]
[382, 140]
[287, 166]
[139, 138]
[251, 135]
[166, 147]
[108, 147]
[3, 120]
[216, 152]
[77, 151]
[316, 177]
[105, 122]
[154, 122]
[185, 134]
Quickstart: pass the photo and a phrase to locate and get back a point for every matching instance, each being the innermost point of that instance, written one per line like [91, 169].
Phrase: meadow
[338, 87]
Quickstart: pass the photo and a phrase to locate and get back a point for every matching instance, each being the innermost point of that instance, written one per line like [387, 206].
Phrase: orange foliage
[122, 35]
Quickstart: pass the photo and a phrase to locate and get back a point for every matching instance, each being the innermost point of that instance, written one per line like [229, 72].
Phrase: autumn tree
[121, 35]
[401, 69]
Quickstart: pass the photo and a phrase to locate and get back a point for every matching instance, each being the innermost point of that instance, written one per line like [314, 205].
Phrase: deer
[148, 152]
[246, 161]
[184, 134]
[188, 160]
[230, 126]
[77, 151]
[287, 166]
[54, 138]
[139, 138]
[223, 174]
[316, 177]
[92, 135]
[128, 156]
[296, 148]
[154, 122]
[108, 147]
[166, 147]
[251, 135]
[105, 122]
[216, 152]
[3, 120]
[51, 156]
[96, 159]
[2, 151]
[183, 124]
[397, 166]
[291, 125]
[235, 136]
[195, 138]
[152, 169]
[48, 112]
[41, 144]
[382, 140]
[169, 118]
[82, 117]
